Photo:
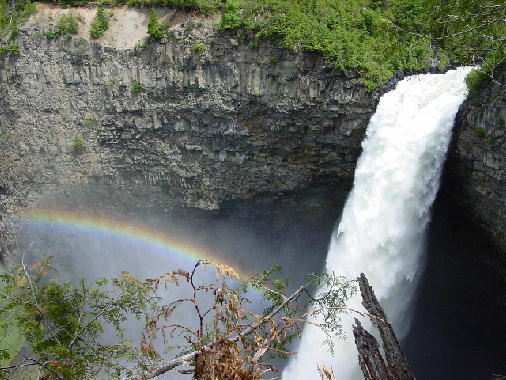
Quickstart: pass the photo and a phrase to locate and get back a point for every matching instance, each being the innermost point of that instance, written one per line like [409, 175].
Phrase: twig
[98, 315]
[18, 366]
[187, 358]
[33, 362]
[283, 297]
[34, 295]
[469, 30]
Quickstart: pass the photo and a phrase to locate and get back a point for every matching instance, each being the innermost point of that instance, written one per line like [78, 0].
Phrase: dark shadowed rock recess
[476, 167]
[168, 126]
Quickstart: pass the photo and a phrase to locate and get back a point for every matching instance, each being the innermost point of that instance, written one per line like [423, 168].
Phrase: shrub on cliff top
[100, 23]
[367, 39]
[66, 26]
[473, 81]
[155, 28]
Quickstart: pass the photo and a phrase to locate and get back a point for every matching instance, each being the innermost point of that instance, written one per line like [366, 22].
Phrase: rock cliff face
[189, 122]
[476, 167]
[199, 120]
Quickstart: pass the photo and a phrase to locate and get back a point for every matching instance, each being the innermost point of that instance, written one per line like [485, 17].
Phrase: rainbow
[123, 229]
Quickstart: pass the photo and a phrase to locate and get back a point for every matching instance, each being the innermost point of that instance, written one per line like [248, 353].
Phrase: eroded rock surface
[476, 168]
[190, 121]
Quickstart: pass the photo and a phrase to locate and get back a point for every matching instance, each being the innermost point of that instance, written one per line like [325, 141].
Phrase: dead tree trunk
[374, 367]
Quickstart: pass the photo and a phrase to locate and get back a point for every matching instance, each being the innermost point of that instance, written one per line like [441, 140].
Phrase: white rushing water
[382, 227]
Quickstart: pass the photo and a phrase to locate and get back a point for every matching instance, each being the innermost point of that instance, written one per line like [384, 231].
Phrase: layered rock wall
[476, 167]
[190, 121]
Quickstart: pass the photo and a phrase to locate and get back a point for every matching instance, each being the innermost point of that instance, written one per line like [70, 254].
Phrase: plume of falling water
[382, 227]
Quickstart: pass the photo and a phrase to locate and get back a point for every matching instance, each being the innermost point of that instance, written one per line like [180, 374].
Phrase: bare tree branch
[470, 30]
[94, 318]
[188, 358]
[35, 300]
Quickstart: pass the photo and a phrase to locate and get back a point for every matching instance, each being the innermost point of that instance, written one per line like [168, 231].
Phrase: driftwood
[374, 367]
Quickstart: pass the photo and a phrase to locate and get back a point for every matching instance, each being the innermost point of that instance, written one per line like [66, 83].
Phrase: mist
[245, 235]
[293, 230]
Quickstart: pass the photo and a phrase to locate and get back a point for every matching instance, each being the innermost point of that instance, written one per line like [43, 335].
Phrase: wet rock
[476, 167]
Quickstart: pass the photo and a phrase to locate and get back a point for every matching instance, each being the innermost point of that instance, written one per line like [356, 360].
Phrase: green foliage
[269, 279]
[141, 46]
[10, 338]
[198, 47]
[328, 304]
[79, 146]
[50, 34]
[473, 80]
[12, 14]
[330, 301]
[365, 39]
[67, 25]
[480, 132]
[136, 87]
[63, 322]
[373, 38]
[100, 23]
[11, 48]
[205, 7]
[352, 36]
[231, 17]
[89, 122]
[155, 28]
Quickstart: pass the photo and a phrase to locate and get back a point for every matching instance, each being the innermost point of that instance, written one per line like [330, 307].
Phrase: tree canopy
[63, 322]
[374, 38]
[368, 39]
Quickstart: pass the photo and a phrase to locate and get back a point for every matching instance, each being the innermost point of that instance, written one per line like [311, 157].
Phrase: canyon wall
[476, 167]
[191, 121]
[199, 119]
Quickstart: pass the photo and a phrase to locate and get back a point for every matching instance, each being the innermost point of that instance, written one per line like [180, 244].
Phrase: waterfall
[382, 227]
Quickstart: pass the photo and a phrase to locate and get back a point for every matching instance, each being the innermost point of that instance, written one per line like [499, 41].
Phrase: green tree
[12, 14]
[370, 39]
[100, 23]
[63, 322]
[68, 24]
[155, 28]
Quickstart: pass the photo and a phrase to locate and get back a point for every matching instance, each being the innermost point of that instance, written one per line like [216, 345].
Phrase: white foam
[382, 227]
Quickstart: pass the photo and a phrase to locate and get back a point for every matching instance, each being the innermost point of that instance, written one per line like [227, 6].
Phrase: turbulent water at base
[382, 227]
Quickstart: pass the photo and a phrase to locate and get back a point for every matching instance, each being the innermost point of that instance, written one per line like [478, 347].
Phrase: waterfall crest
[381, 232]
